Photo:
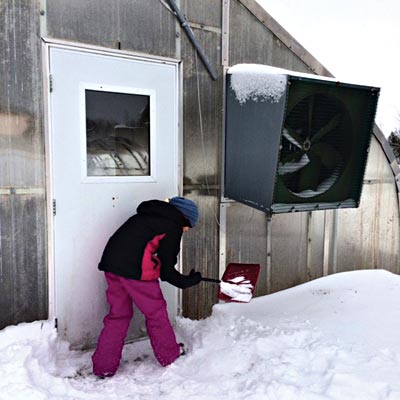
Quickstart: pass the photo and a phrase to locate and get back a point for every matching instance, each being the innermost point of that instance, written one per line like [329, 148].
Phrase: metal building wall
[136, 25]
[23, 273]
[202, 127]
[291, 248]
[369, 237]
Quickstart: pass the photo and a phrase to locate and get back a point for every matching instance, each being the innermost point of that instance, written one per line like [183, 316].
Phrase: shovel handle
[210, 280]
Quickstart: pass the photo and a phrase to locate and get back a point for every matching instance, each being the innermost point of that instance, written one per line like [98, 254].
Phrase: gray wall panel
[21, 136]
[200, 251]
[288, 250]
[251, 42]
[147, 27]
[368, 237]
[127, 24]
[23, 247]
[202, 108]
[90, 21]
[207, 12]
[23, 282]
[315, 249]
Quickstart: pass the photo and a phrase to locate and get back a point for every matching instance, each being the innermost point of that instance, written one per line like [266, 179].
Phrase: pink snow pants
[148, 298]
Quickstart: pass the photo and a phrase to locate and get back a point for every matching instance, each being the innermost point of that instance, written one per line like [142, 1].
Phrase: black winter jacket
[147, 245]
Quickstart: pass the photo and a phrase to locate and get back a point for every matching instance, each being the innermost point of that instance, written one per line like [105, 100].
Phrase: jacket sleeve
[168, 254]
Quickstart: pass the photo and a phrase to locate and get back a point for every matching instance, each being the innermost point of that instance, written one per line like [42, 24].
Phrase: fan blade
[309, 176]
[291, 166]
[291, 136]
[333, 123]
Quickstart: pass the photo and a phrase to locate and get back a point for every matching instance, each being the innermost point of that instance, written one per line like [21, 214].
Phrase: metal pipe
[189, 32]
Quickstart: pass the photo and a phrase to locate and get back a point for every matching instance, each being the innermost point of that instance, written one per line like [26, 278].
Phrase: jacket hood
[162, 209]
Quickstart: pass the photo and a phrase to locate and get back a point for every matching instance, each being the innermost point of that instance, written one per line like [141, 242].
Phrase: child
[142, 250]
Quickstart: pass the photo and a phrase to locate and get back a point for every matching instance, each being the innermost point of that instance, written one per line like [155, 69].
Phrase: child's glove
[193, 278]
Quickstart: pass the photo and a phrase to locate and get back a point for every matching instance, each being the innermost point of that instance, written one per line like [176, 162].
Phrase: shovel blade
[233, 271]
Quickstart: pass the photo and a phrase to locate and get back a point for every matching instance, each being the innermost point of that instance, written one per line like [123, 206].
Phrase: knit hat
[187, 207]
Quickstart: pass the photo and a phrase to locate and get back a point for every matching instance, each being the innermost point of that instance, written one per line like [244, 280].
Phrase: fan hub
[306, 145]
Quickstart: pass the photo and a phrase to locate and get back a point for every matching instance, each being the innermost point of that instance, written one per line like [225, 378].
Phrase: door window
[117, 134]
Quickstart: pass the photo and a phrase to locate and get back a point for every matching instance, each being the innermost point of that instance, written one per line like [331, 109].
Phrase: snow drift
[332, 338]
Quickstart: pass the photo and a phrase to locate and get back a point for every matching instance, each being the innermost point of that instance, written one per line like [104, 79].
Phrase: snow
[333, 338]
[257, 82]
[260, 82]
[238, 289]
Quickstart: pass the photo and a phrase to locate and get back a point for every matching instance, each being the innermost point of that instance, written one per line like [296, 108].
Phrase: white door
[114, 143]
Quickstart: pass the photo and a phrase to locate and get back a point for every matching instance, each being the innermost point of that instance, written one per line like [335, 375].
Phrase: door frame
[47, 45]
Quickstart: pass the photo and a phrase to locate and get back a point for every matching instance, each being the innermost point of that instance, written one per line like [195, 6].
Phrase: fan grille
[316, 144]
[324, 142]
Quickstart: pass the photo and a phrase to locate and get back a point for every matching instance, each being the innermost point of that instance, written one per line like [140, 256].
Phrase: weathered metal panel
[202, 113]
[315, 245]
[251, 42]
[285, 37]
[143, 26]
[369, 237]
[204, 12]
[200, 251]
[21, 140]
[23, 272]
[296, 245]
[202, 125]
[23, 269]
[289, 250]
[90, 21]
[147, 26]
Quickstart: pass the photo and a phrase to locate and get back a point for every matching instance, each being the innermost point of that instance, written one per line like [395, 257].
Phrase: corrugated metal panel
[297, 248]
[285, 37]
[296, 245]
[144, 26]
[289, 250]
[200, 251]
[251, 42]
[23, 273]
[368, 237]
[147, 26]
[202, 125]
[23, 269]
[202, 114]
[204, 12]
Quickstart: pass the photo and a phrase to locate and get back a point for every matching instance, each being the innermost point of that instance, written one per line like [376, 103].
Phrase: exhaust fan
[295, 142]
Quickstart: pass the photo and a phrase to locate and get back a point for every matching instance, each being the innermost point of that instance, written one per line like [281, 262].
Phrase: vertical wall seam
[327, 239]
[309, 245]
[269, 253]
[223, 206]
[43, 18]
[225, 33]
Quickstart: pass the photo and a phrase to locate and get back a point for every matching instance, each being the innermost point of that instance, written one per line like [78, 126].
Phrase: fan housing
[305, 151]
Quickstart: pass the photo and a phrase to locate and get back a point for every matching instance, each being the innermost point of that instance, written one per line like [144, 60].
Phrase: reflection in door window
[117, 134]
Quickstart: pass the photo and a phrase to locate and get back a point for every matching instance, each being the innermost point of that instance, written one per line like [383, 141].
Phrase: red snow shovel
[237, 283]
